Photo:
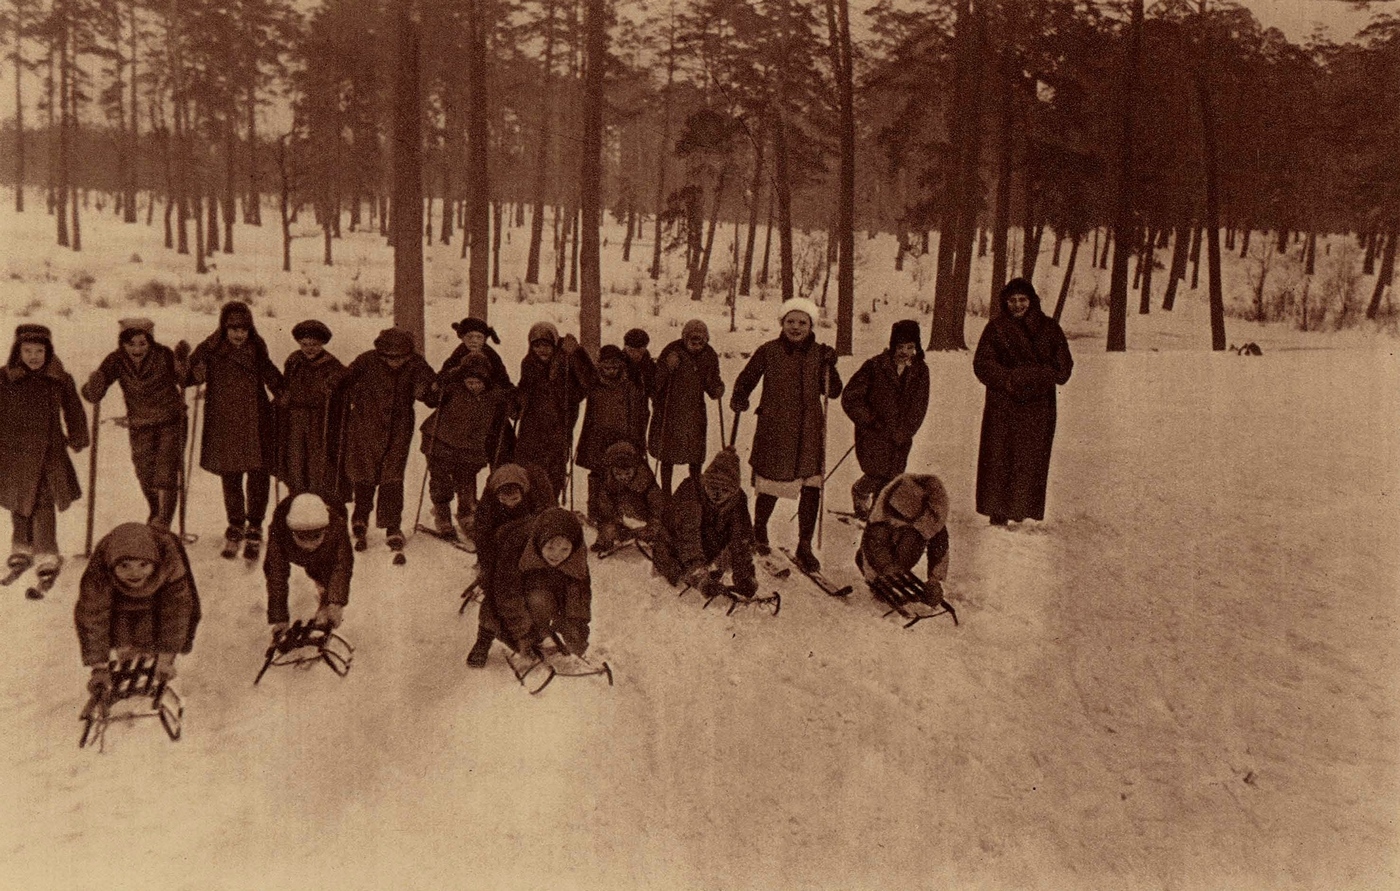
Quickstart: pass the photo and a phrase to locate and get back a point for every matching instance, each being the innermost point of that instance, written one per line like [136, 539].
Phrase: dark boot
[166, 502]
[442, 521]
[252, 543]
[233, 536]
[394, 539]
[808, 504]
[481, 649]
[762, 510]
[358, 531]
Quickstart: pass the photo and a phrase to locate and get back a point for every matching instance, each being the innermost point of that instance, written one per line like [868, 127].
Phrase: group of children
[337, 435]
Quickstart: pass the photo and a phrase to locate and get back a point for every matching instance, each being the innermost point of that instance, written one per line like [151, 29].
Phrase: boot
[481, 649]
[762, 510]
[166, 502]
[233, 536]
[252, 543]
[442, 521]
[806, 560]
[807, 506]
[395, 539]
[359, 531]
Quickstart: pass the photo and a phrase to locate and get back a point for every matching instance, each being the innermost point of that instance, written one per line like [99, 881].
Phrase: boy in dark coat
[137, 598]
[887, 399]
[641, 367]
[380, 388]
[555, 376]
[238, 439]
[461, 437]
[617, 412]
[686, 372]
[708, 524]
[789, 441]
[628, 492]
[150, 374]
[308, 532]
[307, 419]
[512, 493]
[41, 418]
[908, 521]
[473, 334]
[1021, 357]
[541, 584]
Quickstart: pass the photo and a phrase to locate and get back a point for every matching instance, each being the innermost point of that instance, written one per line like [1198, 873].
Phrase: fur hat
[695, 326]
[478, 366]
[721, 478]
[307, 512]
[543, 331]
[906, 331]
[621, 454]
[394, 342]
[129, 328]
[235, 313]
[131, 541]
[508, 475]
[611, 353]
[802, 305]
[636, 338]
[906, 499]
[472, 324]
[313, 329]
[1020, 286]
[28, 332]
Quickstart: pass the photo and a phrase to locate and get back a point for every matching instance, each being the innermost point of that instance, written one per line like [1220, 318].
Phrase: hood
[138, 541]
[721, 480]
[543, 331]
[556, 521]
[509, 475]
[913, 499]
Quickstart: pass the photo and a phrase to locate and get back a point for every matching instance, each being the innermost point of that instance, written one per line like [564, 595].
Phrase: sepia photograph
[700, 445]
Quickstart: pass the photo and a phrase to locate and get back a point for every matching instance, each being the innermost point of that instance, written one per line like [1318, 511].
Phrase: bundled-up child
[541, 584]
[462, 437]
[686, 372]
[555, 376]
[150, 375]
[379, 389]
[309, 420]
[616, 412]
[513, 492]
[708, 524]
[308, 532]
[473, 334]
[641, 367]
[137, 598]
[239, 438]
[908, 521]
[41, 418]
[887, 399]
[629, 493]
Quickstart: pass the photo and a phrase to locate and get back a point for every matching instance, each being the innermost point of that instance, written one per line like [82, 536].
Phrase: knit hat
[693, 327]
[621, 454]
[394, 342]
[307, 512]
[126, 328]
[236, 314]
[478, 366]
[313, 329]
[473, 324]
[543, 331]
[637, 339]
[612, 353]
[131, 541]
[556, 522]
[802, 305]
[721, 478]
[906, 499]
[508, 475]
[906, 331]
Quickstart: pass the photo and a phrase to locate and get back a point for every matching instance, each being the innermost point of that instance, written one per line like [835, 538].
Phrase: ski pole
[427, 461]
[734, 431]
[189, 459]
[92, 477]
[839, 463]
[720, 405]
[821, 491]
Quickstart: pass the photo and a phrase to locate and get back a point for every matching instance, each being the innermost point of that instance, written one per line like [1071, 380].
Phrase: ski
[770, 565]
[462, 544]
[905, 595]
[43, 585]
[473, 594]
[820, 580]
[131, 679]
[18, 565]
[848, 517]
[294, 647]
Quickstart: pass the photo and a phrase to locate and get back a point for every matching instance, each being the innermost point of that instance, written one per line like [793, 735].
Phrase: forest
[1129, 136]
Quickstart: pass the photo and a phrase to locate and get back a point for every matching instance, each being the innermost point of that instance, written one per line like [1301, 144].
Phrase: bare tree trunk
[252, 202]
[1244, 243]
[1006, 148]
[767, 240]
[573, 252]
[755, 195]
[408, 179]
[20, 19]
[1180, 248]
[631, 227]
[1368, 263]
[541, 187]
[702, 271]
[1069, 277]
[496, 226]
[783, 187]
[846, 202]
[1196, 235]
[590, 312]
[1310, 254]
[1212, 221]
[478, 162]
[1149, 260]
[284, 201]
[1123, 235]
[61, 186]
[1383, 278]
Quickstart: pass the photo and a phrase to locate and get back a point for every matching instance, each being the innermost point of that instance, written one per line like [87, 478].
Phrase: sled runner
[828, 587]
[554, 661]
[905, 595]
[131, 679]
[850, 518]
[473, 594]
[306, 643]
[736, 600]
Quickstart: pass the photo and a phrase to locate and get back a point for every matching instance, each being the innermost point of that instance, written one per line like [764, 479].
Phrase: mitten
[165, 667]
[673, 361]
[330, 615]
[101, 680]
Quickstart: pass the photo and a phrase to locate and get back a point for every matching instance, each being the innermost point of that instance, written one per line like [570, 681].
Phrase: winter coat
[308, 420]
[151, 390]
[239, 419]
[36, 407]
[500, 377]
[891, 543]
[330, 565]
[491, 516]
[789, 441]
[680, 423]
[549, 396]
[523, 578]
[617, 412]
[469, 425]
[888, 408]
[380, 418]
[698, 531]
[640, 498]
[643, 371]
[1020, 361]
[107, 618]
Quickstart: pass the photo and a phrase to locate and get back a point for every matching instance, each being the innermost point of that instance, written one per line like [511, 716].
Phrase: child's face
[543, 350]
[308, 539]
[556, 550]
[510, 496]
[474, 341]
[906, 352]
[475, 385]
[1017, 305]
[237, 334]
[635, 353]
[311, 347]
[394, 361]
[796, 326]
[137, 346]
[696, 342]
[33, 355]
[623, 474]
[610, 370]
[132, 573]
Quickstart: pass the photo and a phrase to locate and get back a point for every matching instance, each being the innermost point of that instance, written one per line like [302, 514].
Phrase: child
[686, 372]
[555, 375]
[460, 437]
[617, 412]
[708, 523]
[641, 367]
[308, 532]
[629, 491]
[310, 435]
[380, 388]
[150, 374]
[887, 399]
[238, 437]
[41, 417]
[541, 585]
[137, 598]
[909, 520]
[473, 333]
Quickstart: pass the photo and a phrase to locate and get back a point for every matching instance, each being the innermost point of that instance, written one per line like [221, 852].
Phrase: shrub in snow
[368, 302]
[81, 280]
[153, 292]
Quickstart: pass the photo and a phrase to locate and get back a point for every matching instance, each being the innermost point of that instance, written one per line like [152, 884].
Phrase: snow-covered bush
[367, 301]
[153, 292]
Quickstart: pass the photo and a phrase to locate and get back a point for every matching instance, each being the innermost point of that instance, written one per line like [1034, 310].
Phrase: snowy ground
[1184, 679]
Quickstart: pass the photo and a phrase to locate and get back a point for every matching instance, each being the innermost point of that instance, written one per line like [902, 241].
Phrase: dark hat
[508, 475]
[1020, 286]
[476, 365]
[236, 312]
[612, 353]
[556, 522]
[906, 499]
[722, 476]
[473, 324]
[313, 329]
[132, 541]
[543, 331]
[620, 454]
[28, 332]
[637, 339]
[394, 342]
[905, 331]
[694, 327]
[132, 326]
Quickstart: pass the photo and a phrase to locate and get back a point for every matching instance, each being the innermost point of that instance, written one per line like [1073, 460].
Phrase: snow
[1184, 678]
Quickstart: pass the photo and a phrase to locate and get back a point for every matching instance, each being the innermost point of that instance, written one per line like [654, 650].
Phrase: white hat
[307, 512]
[802, 305]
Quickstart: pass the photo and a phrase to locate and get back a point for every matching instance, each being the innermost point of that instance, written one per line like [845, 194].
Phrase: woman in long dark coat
[239, 422]
[789, 441]
[887, 399]
[1021, 358]
[307, 419]
[38, 402]
[686, 372]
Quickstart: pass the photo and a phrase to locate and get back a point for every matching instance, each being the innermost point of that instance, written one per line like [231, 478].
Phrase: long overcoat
[616, 412]
[1020, 361]
[549, 396]
[308, 420]
[789, 440]
[380, 418]
[150, 389]
[239, 418]
[35, 409]
[680, 416]
[887, 408]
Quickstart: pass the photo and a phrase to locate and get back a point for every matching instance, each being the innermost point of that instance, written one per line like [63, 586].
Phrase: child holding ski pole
[308, 418]
[617, 412]
[555, 376]
[686, 372]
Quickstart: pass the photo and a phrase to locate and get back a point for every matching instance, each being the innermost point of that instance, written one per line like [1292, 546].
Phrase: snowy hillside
[1185, 678]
